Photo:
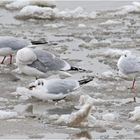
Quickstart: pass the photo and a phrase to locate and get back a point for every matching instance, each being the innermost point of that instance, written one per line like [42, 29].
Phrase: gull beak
[31, 87]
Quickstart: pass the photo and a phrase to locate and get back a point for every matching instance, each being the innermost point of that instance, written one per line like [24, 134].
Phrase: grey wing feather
[13, 42]
[39, 66]
[61, 86]
[49, 60]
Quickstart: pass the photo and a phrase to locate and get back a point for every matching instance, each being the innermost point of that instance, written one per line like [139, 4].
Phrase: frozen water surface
[95, 47]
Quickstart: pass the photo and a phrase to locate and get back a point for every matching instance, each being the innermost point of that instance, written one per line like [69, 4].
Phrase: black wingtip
[77, 69]
[39, 42]
[86, 80]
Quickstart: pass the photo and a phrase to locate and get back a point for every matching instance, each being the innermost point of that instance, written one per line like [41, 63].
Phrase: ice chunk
[137, 127]
[115, 53]
[135, 115]
[110, 22]
[81, 25]
[19, 4]
[109, 117]
[49, 13]
[7, 114]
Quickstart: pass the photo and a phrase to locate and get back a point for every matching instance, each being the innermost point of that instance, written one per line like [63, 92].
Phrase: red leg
[133, 88]
[10, 59]
[133, 84]
[3, 60]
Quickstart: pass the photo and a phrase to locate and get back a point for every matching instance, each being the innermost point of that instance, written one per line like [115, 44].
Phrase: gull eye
[125, 55]
[38, 83]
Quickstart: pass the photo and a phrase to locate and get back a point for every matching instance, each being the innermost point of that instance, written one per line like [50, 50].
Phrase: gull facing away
[36, 62]
[9, 44]
[55, 89]
[129, 66]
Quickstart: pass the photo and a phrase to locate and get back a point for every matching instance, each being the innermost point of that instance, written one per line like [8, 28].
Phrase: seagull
[37, 62]
[9, 44]
[129, 66]
[55, 89]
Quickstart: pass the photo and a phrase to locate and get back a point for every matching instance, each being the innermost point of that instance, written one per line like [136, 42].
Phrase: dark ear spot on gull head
[40, 83]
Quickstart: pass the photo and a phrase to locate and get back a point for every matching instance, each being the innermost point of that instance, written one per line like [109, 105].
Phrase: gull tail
[86, 80]
[76, 69]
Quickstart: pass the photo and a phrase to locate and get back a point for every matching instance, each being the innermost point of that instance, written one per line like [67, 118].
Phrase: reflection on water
[83, 134]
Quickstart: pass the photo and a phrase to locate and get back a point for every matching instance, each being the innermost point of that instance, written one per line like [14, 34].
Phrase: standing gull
[36, 62]
[9, 44]
[55, 89]
[129, 66]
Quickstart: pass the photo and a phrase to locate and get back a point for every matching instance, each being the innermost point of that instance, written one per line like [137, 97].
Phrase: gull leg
[134, 99]
[10, 59]
[3, 60]
[133, 88]
[133, 84]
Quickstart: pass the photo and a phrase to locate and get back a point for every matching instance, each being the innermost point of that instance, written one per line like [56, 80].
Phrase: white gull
[36, 62]
[55, 89]
[9, 44]
[129, 66]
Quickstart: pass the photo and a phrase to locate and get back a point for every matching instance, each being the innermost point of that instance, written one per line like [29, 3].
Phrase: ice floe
[115, 53]
[22, 109]
[78, 117]
[53, 13]
[137, 128]
[8, 114]
[108, 75]
[135, 115]
[19, 4]
[81, 25]
[4, 2]
[133, 8]
[109, 117]
[110, 22]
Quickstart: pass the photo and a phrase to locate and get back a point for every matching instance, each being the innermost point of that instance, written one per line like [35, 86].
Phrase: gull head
[123, 57]
[37, 84]
[25, 56]
[126, 53]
